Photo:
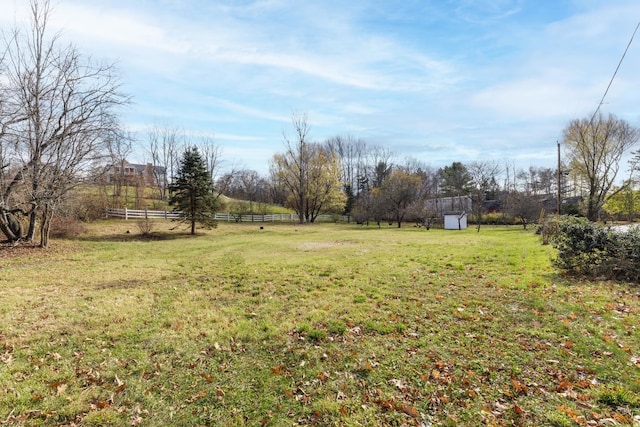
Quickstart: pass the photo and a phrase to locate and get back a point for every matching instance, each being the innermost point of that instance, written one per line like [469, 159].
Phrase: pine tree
[192, 193]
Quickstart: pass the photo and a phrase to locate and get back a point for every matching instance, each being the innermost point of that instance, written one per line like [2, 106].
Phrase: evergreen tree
[192, 193]
[456, 180]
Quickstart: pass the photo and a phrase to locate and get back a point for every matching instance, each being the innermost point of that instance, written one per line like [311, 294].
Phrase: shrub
[65, 228]
[83, 206]
[589, 249]
[496, 218]
[549, 228]
[146, 226]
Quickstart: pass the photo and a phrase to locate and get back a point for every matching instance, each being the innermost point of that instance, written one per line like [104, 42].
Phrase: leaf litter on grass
[249, 337]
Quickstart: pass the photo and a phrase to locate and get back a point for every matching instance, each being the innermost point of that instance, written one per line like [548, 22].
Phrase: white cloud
[482, 78]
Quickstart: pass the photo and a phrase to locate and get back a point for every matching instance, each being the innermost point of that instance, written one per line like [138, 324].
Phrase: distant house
[449, 205]
[136, 174]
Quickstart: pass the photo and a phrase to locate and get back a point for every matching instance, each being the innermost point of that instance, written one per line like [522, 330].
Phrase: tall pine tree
[192, 193]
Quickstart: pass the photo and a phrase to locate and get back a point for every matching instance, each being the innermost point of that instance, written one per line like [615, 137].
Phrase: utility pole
[559, 182]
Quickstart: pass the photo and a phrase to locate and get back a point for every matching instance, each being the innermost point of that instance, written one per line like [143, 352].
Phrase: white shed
[455, 221]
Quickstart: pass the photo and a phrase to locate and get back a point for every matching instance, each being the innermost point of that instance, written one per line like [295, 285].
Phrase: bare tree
[524, 207]
[483, 179]
[212, 155]
[292, 167]
[119, 148]
[595, 147]
[351, 152]
[165, 145]
[58, 118]
[245, 185]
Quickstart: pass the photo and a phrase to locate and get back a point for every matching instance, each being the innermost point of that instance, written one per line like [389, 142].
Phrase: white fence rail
[226, 217]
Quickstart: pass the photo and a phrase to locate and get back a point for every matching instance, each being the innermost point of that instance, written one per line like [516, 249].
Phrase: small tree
[192, 193]
[524, 207]
[483, 180]
[399, 191]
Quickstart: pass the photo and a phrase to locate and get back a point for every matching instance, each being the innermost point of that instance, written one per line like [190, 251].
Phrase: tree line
[345, 175]
[59, 128]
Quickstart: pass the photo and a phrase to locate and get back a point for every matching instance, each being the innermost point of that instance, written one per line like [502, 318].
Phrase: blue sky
[437, 80]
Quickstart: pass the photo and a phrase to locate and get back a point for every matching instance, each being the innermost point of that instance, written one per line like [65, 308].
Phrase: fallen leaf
[101, 404]
[54, 385]
[323, 376]
[564, 385]
[197, 396]
[621, 418]
[407, 409]
[277, 370]
[59, 386]
[518, 386]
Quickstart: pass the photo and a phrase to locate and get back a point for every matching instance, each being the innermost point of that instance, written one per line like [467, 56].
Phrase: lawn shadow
[137, 237]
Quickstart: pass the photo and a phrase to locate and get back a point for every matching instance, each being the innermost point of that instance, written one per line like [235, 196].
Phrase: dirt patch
[308, 246]
[120, 284]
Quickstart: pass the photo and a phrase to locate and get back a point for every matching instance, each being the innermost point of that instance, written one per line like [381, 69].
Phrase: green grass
[328, 325]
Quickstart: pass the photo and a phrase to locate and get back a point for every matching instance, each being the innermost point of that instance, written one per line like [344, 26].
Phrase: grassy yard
[326, 325]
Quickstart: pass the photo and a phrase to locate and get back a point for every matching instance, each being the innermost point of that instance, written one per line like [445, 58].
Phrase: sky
[435, 80]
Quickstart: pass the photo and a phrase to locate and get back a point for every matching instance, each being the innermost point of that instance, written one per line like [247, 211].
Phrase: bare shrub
[146, 226]
[549, 229]
[83, 205]
[66, 228]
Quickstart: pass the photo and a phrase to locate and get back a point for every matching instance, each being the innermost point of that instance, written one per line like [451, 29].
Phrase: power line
[614, 74]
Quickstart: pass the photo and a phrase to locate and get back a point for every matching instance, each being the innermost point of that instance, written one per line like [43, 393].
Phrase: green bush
[589, 249]
[492, 218]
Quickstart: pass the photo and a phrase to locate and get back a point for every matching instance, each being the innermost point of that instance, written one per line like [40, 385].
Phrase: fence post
[126, 214]
[146, 216]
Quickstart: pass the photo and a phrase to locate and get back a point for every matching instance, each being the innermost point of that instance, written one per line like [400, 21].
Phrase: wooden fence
[225, 217]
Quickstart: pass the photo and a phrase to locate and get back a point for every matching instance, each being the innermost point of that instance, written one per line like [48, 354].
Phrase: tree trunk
[193, 213]
[45, 227]
[592, 211]
[33, 221]
[10, 226]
